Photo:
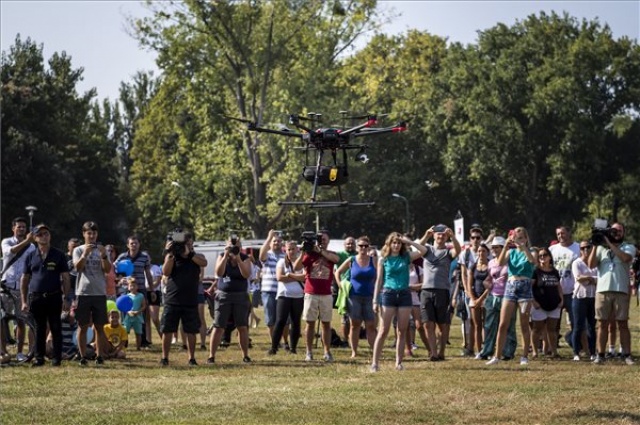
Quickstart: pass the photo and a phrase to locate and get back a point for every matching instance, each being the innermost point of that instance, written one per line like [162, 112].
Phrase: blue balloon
[74, 338]
[124, 267]
[124, 303]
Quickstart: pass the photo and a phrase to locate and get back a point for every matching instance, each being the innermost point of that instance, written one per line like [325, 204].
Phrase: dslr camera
[178, 237]
[310, 240]
[599, 230]
[235, 249]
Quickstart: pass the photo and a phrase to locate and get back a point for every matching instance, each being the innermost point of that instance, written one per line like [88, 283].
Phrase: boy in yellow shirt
[116, 337]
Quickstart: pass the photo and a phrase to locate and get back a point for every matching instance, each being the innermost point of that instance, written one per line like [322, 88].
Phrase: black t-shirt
[182, 285]
[545, 289]
[232, 280]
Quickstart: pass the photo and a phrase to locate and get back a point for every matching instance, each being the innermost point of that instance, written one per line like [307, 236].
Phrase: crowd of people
[415, 286]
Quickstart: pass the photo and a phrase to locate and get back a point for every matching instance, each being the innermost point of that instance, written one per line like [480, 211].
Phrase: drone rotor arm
[278, 132]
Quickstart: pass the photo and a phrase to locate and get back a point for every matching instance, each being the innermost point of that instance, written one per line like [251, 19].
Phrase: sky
[94, 32]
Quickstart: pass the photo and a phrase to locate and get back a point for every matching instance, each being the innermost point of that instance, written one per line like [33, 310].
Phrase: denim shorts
[361, 308]
[518, 290]
[396, 298]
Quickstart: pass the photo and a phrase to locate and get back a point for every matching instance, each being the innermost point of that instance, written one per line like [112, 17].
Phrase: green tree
[251, 60]
[56, 153]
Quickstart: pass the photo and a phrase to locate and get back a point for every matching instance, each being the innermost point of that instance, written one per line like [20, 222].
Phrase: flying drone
[320, 140]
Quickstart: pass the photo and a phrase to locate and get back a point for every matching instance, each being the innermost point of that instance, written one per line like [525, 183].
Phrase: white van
[212, 250]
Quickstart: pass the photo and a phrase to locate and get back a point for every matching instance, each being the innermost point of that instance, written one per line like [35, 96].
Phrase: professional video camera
[310, 240]
[235, 249]
[599, 230]
[178, 237]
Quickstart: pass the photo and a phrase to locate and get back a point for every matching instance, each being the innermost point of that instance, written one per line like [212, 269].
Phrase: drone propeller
[362, 117]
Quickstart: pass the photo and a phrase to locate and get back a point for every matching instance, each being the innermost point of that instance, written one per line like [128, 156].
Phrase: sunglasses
[585, 247]
[475, 237]
[363, 246]
[543, 255]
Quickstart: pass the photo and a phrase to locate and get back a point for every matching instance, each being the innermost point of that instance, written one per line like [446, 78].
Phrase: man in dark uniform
[46, 282]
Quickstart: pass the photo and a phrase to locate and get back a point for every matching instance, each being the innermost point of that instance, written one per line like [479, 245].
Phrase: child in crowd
[69, 329]
[134, 318]
[117, 337]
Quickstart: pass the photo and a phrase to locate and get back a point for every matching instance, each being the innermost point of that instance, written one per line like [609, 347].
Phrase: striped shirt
[269, 280]
[140, 263]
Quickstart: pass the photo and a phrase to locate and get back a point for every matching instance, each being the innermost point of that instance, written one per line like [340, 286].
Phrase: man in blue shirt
[46, 281]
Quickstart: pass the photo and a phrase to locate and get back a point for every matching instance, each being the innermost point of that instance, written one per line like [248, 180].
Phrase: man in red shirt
[318, 266]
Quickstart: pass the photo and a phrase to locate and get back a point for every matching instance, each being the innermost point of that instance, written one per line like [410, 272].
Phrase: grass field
[283, 389]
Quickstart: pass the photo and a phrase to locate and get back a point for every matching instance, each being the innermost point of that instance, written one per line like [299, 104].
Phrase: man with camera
[181, 266]
[92, 264]
[270, 254]
[318, 266]
[612, 257]
[14, 252]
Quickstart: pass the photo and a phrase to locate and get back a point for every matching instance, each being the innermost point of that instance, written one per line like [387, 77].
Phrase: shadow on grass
[604, 415]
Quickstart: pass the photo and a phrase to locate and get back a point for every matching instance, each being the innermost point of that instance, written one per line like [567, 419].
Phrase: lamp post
[406, 206]
[31, 210]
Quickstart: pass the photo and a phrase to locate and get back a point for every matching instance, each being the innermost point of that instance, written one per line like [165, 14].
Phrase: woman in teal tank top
[392, 284]
[520, 265]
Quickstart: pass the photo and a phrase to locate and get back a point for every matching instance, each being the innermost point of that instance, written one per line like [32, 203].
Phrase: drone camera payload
[328, 140]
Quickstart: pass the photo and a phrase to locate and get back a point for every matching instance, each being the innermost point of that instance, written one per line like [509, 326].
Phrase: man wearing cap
[46, 281]
[14, 252]
[91, 263]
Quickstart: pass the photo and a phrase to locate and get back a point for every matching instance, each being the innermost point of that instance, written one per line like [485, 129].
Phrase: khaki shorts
[612, 303]
[317, 306]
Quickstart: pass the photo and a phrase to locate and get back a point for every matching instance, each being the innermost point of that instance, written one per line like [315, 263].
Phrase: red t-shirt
[319, 274]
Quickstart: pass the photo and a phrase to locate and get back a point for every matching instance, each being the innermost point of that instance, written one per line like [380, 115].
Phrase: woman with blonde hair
[520, 266]
[392, 283]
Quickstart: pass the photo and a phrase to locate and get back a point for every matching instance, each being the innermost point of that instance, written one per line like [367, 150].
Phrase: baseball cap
[39, 227]
[475, 226]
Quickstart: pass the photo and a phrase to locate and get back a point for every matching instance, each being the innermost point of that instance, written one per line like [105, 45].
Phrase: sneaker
[414, 346]
[593, 357]
[576, 358]
[494, 360]
[83, 361]
[478, 357]
[374, 368]
[524, 361]
[21, 358]
[609, 355]
[99, 361]
[271, 352]
[246, 359]
[164, 362]
[293, 351]
[598, 360]
[629, 361]
[203, 347]
[37, 363]
[308, 357]
[174, 340]
[211, 360]
[328, 358]
[286, 347]
[399, 367]
[193, 362]
[56, 363]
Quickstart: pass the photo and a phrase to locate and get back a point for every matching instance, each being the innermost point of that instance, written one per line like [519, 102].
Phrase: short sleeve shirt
[613, 274]
[45, 272]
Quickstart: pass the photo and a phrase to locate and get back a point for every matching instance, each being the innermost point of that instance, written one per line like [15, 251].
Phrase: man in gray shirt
[91, 262]
[434, 297]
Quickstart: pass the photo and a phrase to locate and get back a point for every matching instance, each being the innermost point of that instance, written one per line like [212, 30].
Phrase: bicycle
[11, 311]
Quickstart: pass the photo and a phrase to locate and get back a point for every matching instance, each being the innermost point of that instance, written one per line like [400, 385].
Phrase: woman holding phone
[520, 266]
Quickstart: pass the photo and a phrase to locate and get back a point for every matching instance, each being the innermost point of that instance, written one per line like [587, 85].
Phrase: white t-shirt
[563, 257]
[14, 273]
[290, 289]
